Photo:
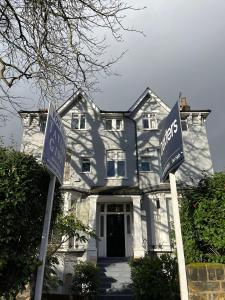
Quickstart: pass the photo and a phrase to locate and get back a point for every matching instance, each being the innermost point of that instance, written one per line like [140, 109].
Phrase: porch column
[92, 248]
[138, 239]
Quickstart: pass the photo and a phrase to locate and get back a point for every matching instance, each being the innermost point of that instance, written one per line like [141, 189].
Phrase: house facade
[112, 177]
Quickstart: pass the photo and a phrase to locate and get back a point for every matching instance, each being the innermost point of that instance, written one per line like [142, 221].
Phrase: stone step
[115, 297]
[115, 281]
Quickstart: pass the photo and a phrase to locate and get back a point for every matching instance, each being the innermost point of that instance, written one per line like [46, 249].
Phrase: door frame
[128, 237]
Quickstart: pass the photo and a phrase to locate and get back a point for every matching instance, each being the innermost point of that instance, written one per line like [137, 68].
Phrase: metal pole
[44, 239]
[179, 242]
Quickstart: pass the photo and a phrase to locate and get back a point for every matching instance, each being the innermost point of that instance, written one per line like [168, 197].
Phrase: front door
[115, 235]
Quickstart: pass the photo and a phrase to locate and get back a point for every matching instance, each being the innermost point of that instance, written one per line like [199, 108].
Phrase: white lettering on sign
[169, 134]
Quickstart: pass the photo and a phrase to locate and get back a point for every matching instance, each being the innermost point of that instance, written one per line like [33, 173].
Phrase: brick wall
[206, 281]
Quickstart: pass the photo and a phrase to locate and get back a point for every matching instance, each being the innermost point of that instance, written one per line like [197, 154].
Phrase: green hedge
[155, 278]
[85, 280]
[23, 194]
[203, 220]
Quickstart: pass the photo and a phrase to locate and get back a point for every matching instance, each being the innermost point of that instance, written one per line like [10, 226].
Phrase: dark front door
[115, 236]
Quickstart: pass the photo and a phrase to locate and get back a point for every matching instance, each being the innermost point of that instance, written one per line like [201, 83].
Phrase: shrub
[23, 195]
[155, 278]
[85, 280]
[203, 220]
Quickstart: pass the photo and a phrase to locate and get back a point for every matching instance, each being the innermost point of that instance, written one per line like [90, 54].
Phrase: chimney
[184, 104]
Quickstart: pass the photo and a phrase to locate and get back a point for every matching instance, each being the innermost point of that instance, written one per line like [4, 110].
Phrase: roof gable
[66, 106]
[148, 94]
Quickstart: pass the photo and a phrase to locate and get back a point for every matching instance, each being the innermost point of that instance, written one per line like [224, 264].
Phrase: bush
[86, 280]
[203, 220]
[23, 195]
[155, 278]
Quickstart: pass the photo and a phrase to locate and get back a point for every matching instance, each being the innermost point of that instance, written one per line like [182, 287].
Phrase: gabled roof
[144, 97]
[74, 98]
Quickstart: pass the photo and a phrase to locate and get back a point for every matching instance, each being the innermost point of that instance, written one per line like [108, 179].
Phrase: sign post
[54, 154]
[172, 156]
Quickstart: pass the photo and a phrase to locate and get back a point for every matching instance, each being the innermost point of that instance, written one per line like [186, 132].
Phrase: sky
[183, 50]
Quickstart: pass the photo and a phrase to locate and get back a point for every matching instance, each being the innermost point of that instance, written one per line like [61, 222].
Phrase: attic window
[114, 124]
[149, 121]
[78, 121]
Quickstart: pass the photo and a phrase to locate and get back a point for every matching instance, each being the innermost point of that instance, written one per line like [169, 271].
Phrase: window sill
[77, 129]
[115, 178]
[150, 129]
[114, 130]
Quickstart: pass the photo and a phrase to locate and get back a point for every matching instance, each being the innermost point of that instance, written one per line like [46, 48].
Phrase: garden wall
[206, 281]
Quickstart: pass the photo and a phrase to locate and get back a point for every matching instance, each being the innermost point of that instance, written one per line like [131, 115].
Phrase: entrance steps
[115, 281]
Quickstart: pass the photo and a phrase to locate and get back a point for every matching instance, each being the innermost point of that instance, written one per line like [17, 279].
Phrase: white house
[112, 172]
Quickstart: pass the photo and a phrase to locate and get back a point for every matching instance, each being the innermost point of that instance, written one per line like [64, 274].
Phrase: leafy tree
[65, 227]
[203, 220]
[59, 45]
[23, 194]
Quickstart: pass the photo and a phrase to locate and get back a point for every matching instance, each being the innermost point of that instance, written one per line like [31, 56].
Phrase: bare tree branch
[59, 45]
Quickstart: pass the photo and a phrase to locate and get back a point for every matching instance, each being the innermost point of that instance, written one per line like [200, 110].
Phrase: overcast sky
[183, 51]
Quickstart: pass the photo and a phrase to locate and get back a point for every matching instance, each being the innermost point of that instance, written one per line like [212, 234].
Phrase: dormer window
[78, 121]
[114, 124]
[149, 121]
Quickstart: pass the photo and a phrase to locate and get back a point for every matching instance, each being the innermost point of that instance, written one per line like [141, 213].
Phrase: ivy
[23, 194]
[203, 220]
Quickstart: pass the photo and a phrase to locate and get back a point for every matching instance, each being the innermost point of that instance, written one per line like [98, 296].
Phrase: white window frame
[150, 117]
[116, 152]
[82, 161]
[79, 116]
[114, 124]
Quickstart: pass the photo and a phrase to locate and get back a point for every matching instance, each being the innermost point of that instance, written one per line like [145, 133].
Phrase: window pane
[86, 166]
[111, 168]
[67, 167]
[42, 124]
[145, 123]
[128, 207]
[145, 166]
[102, 207]
[75, 122]
[153, 123]
[121, 168]
[184, 125]
[118, 124]
[111, 155]
[71, 242]
[120, 155]
[101, 226]
[128, 224]
[82, 121]
[115, 207]
[108, 124]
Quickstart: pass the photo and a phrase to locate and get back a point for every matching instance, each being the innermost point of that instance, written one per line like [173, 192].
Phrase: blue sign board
[171, 142]
[54, 151]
